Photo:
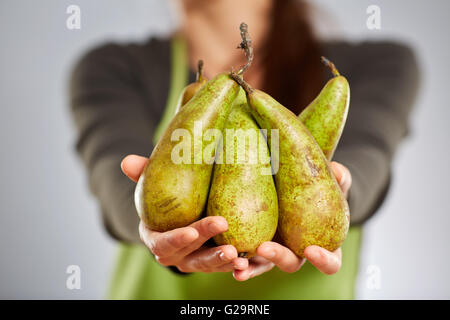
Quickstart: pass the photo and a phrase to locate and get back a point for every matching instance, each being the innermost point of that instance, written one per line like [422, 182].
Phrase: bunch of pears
[289, 190]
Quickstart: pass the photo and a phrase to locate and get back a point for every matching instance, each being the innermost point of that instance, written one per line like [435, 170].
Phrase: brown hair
[293, 72]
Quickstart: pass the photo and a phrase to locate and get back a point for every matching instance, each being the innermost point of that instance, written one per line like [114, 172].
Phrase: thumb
[343, 176]
[133, 165]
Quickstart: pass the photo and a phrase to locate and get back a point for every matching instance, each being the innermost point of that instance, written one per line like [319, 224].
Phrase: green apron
[138, 276]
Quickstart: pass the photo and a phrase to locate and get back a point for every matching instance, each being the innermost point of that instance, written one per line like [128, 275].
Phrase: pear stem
[247, 46]
[238, 78]
[330, 65]
[199, 71]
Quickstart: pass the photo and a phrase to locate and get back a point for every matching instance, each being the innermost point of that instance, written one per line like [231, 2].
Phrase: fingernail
[222, 255]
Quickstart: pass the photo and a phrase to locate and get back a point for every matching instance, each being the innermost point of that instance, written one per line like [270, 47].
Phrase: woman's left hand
[270, 254]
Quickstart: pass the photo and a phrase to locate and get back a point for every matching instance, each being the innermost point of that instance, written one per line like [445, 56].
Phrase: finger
[209, 259]
[133, 166]
[233, 265]
[165, 244]
[324, 260]
[225, 268]
[256, 267]
[281, 256]
[236, 264]
[207, 228]
[342, 175]
[240, 263]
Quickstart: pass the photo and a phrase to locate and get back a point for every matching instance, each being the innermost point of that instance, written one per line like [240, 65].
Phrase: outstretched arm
[114, 116]
[384, 79]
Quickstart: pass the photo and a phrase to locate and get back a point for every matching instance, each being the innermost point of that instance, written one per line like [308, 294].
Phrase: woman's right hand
[184, 247]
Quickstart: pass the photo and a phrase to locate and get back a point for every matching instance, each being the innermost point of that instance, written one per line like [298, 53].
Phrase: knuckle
[173, 241]
[206, 269]
[210, 226]
[201, 265]
[205, 225]
[183, 268]
[198, 265]
[156, 249]
[164, 261]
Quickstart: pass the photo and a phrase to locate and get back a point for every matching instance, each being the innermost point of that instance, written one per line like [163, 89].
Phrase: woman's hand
[270, 253]
[183, 247]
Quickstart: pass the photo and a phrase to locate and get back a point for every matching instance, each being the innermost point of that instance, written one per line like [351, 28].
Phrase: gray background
[49, 220]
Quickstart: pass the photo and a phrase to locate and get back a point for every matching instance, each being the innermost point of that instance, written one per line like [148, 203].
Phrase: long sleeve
[115, 115]
[383, 79]
[118, 94]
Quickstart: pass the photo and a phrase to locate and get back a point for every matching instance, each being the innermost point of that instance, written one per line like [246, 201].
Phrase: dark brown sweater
[118, 94]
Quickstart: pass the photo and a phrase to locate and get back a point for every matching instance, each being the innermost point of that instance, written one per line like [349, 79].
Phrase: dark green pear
[173, 189]
[325, 116]
[312, 207]
[242, 188]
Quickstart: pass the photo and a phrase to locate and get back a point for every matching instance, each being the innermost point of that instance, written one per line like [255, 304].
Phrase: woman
[122, 96]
